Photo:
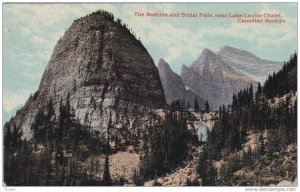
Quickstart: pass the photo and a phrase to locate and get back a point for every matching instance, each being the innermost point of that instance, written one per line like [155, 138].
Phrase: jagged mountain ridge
[174, 88]
[210, 62]
[102, 66]
[216, 76]
[248, 63]
[213, 79]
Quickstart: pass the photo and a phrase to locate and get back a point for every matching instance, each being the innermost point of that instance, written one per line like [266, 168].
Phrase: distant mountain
[173, 86]
[248, 63]
[213, 79]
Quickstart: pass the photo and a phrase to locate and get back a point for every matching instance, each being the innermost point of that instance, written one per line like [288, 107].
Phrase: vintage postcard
[150, 94]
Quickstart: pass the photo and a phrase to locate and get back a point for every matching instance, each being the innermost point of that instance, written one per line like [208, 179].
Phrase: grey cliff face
[174, 87]
[104, 68]
[213, 79]
[172, 83]
[248, 63]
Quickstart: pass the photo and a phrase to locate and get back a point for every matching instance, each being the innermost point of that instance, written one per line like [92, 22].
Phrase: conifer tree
[106, 173]
[206, 106]
[258, 92]
[261, 147]
[196, 105]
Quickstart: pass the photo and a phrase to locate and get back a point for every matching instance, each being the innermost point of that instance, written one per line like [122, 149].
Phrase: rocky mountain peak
[186, 71]
[206, 55]
[229, 48]
[207, 62]
[235, 51]
[248, 63]
[184, 68]
[214, 79]
[174, 87]
[102, 67]
[207, 51]
[163, 65]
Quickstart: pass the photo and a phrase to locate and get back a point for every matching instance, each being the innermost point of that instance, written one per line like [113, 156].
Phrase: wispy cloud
[177, 41]
[13, 99]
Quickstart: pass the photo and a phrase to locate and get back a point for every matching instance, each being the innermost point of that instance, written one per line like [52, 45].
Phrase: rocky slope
[104, 68]
[183, 175]
[122, 166]
[248, 63]
[213, 79]
[174, 87]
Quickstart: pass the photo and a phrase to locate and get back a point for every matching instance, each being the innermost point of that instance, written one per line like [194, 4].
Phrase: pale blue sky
[30, 32]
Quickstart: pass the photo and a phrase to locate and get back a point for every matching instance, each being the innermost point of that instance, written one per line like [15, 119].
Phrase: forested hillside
[254, 141]
[57, 153]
